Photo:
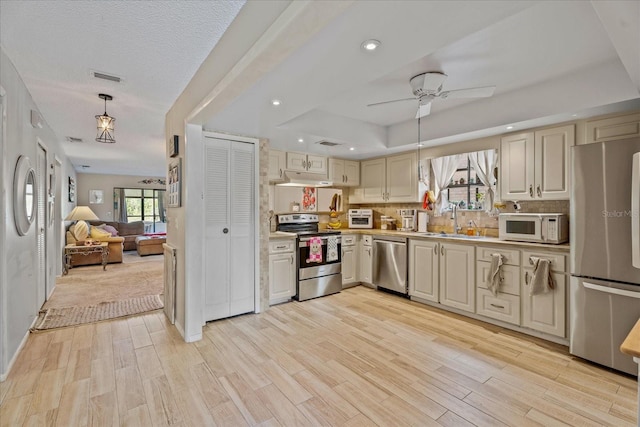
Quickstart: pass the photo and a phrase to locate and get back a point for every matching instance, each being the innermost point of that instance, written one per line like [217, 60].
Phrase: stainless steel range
[319, 256]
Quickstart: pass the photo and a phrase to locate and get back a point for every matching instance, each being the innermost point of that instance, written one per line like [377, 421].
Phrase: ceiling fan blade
[475, 92]
[388, 102]
[433, 81]
[423, 110]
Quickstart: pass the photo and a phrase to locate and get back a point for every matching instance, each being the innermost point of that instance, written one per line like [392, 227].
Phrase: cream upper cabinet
[393, 179]
[457, 276]
[423, 269]
[301, 162]
[535, 165]
[372, 187]
[277, 165]
[344, 173]
[612, 128]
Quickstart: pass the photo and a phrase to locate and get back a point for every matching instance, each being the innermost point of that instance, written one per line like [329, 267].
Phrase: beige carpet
[70, 316]
[138, 281]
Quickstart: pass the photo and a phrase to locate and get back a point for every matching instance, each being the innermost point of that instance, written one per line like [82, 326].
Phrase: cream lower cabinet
[366, 260]
[282, 271]
[457, 276]
[349, 260]
[545, 312]
[504, 306]
[424, 263]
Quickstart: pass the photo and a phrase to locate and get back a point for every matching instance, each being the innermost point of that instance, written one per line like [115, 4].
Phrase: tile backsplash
[488, 224]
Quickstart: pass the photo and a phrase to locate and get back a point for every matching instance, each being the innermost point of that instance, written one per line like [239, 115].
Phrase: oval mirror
[24, 195]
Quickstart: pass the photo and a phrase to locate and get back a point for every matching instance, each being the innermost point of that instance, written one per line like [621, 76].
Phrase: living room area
[113, 250]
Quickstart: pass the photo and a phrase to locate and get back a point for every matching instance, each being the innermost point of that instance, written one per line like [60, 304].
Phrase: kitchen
[307, 130]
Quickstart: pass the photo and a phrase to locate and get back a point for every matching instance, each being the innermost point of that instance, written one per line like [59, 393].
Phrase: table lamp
[81, 214]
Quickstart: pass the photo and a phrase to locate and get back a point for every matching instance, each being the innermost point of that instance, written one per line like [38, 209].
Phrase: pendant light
[105, 123]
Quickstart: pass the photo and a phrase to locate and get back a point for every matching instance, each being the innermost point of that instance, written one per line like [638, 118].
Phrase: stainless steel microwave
[550, 228]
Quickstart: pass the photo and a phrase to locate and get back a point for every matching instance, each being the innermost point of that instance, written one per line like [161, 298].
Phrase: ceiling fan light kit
[428, 86]
[105, 123]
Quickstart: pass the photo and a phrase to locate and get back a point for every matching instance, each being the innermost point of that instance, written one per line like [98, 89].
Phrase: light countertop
[283, 235]
[462, 238]
[631, 344]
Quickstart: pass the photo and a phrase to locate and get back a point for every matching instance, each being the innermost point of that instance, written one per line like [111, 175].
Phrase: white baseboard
[4, 375]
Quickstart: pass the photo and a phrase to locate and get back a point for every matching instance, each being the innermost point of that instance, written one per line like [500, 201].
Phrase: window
[465, 189]
[142, 205]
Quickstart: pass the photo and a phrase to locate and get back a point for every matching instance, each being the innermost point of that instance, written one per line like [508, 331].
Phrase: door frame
[4, 363]
[42, 191]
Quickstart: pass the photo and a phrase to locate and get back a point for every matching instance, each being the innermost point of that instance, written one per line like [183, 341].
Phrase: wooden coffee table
[101, 248]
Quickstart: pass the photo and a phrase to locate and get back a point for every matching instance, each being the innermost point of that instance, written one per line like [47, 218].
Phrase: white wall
[18, 277]
[106, 183]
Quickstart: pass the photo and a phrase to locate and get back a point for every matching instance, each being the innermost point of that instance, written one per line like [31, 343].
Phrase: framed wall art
[72, 189]
[173, 187]
[174, 144]
[96, 197]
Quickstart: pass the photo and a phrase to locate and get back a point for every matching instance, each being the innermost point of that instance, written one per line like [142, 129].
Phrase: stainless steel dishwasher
[390, 263]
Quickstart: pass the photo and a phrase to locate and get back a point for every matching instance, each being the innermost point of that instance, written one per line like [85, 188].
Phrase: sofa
[124, 240]
[128, 230]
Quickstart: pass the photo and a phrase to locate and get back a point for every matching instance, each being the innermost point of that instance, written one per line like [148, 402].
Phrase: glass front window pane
[132, 192]
[134, 207]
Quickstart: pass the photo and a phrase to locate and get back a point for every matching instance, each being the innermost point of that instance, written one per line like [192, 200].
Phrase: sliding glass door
[141, 204]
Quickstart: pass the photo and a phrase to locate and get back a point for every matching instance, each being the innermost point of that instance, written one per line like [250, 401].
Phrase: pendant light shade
[105, 123]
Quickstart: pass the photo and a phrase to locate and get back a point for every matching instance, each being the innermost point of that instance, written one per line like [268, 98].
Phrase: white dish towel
[332, 248]
[541, 280]
[494, 278]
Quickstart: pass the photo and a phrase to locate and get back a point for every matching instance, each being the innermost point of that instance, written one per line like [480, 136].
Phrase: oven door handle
[324, 239]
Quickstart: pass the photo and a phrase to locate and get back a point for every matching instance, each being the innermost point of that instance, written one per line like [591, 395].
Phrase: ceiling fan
[428, 86]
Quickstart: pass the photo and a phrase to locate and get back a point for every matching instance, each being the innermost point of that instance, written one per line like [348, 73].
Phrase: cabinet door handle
[442, 250]
[539, 191]
[496, 305]
[280, 173]
[530, 190]
[435, 249]
[291, 259]
[526, 277]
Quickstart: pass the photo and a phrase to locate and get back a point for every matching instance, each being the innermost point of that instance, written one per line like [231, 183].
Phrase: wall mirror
[24, 195]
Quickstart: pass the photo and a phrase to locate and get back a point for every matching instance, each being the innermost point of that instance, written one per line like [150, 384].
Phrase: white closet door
[229, 228]
[241, 230]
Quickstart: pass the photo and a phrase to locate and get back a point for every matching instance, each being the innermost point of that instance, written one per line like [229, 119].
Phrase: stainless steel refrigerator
[605, 250]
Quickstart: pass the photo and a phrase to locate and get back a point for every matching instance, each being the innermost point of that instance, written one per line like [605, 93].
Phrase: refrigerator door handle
[635, 211]
[608, 290]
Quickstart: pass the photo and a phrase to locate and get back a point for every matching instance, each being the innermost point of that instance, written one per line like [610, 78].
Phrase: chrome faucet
[454, 217]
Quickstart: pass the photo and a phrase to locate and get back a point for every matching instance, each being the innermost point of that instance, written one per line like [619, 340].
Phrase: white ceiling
[548, 61]
[154, 46]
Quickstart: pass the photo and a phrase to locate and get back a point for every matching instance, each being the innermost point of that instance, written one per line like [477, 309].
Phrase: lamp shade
[81, 213]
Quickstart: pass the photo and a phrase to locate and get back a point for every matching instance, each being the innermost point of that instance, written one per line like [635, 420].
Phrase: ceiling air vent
[328, 143]
[104, 76]
[74, 139]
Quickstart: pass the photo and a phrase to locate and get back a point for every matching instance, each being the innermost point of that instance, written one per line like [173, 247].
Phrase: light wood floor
[357, 358]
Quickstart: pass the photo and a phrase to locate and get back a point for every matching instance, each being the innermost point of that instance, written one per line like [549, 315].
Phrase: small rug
[70, 316]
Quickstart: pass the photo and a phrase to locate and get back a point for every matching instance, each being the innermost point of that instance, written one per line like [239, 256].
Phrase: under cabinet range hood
[305, 179]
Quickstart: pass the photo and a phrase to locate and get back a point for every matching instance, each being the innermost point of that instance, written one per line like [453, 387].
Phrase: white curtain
[443, 170]
[484, 163]
[120, 205]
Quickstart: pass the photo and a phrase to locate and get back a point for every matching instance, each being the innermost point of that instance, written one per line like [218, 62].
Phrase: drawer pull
[281, 247]
[496, 305]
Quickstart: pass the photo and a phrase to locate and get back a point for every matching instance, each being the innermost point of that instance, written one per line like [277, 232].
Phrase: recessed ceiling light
[300, 140]
[370, 45]
[574, 115]
[509, 127]
[351, 149]
[275, 102]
